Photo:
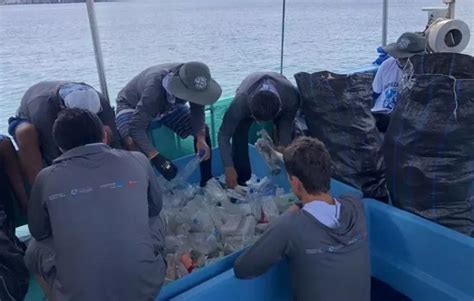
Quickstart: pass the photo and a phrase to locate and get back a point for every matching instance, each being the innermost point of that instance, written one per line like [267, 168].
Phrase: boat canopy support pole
[282, 36]
[97, 49]
[451, 7]
[384, 22]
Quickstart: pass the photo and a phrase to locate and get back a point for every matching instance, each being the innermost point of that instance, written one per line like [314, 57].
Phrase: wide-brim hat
[407, 45]
[194, 83]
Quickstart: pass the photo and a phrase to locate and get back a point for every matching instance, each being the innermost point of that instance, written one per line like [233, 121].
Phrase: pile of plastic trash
[204, 224]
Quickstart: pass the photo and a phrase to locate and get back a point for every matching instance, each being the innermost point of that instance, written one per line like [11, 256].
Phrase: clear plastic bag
[247, 228]
[239, 209]
[284, 201]
[203, 242]
[238, 194]
[175, 243]
[266, 148]
[262, 187]
[214, 193]
[269, 209]
[189, 168]
[232, 244]
[231, 225]
[204, 224]
[201, 221]
[175, 269]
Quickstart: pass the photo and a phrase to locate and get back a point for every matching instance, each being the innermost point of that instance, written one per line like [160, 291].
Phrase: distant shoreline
[23, 2]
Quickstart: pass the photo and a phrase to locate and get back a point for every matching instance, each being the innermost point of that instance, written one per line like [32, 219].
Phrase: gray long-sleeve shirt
[146, 95]
[41, 105]
[239, 110]
[325, 263]
[101, 207]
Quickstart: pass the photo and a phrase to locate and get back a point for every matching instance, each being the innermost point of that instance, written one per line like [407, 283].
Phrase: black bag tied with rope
[337, 109]
[429, 145]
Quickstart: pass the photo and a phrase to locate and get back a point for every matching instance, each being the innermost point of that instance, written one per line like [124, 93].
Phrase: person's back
[150, 78]
[32, 126]
[324, 239]
[103, 217]
[339, 256]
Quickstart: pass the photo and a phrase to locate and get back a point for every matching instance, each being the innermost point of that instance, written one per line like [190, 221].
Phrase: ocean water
[234, 37]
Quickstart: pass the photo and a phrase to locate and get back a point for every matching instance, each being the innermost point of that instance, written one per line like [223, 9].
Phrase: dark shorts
[179, 121]
[13, 123]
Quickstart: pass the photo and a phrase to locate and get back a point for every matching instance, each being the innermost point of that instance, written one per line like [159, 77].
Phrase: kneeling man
[94, 218]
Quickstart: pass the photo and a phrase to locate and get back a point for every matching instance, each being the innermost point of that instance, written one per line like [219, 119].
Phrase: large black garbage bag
[429, 145]
[14, 276]
[337, 109]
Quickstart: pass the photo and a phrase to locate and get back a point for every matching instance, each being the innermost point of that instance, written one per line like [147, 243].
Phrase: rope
[282, 36]
[408, 81]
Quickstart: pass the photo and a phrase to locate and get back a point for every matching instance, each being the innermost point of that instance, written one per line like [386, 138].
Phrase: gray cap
[194, 84]
[78, 95]
[407, 45]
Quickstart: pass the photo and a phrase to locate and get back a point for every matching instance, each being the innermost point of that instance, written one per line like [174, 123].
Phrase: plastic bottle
[215, 194]
[189, 168]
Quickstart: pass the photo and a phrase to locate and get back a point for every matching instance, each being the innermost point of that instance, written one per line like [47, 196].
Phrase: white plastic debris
[203, 224]
[214, 192]
[266, 148]
[269, 209]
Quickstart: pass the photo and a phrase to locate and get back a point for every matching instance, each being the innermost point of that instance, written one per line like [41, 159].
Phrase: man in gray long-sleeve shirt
[324, 239]
[161, 93]
[94, 217]
[32, 127]
[262, 96]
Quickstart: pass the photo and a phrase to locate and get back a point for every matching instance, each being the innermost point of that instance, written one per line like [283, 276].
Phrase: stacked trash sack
[204, 224]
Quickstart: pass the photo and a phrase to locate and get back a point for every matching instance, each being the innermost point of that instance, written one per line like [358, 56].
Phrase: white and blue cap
[82, 96]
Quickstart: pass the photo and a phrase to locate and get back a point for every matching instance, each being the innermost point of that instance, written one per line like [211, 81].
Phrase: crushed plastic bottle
[214, 192]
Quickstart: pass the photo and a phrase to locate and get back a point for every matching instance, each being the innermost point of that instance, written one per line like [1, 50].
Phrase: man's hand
[202, 147]
[164, 166]
[230, 177]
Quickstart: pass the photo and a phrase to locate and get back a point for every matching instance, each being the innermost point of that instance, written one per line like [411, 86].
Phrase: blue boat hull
[418, 258]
